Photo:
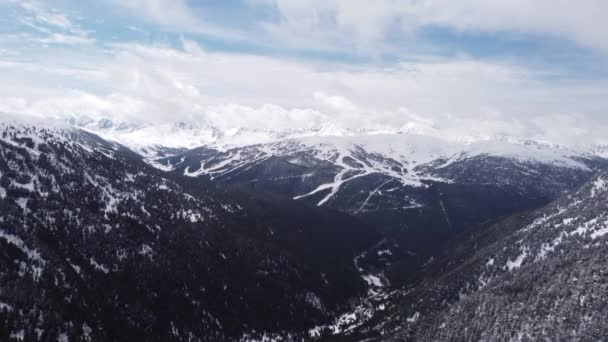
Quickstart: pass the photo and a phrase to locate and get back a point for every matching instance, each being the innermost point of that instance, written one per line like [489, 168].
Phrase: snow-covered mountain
[196, 133]
[97, 245]
[419, 189]
[239, 233]
[534, 276]
[154, 140]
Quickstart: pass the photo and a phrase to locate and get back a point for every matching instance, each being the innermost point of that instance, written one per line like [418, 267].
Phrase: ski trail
[371, 194]
[338, 179]
[445, 213]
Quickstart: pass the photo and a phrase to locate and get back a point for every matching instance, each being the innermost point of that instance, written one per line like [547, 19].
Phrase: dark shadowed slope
[535, 276]
[419, 190]
[94, 243]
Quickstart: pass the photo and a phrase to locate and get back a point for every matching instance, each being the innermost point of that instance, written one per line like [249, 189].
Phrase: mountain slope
[95, 244]
[534, 276]
[421, 190]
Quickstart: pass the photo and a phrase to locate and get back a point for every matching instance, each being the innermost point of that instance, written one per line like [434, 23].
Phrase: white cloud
[368, 21]
[179, 16]
[46, 16]
[174, 14]
[52, 26]
[459, 97]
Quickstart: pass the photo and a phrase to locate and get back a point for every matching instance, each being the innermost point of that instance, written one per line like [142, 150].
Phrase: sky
[531, 69]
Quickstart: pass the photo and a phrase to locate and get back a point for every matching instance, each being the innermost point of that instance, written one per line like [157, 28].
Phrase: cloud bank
[368, 21]
[156, 82]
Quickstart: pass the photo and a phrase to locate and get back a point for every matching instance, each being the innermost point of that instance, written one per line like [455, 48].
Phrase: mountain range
[188, 232]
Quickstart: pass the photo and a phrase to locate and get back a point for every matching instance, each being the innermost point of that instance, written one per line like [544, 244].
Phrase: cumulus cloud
[158, 83]
[456, 96]
[368, 21]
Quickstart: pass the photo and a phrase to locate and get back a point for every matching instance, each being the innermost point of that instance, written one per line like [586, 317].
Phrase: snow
[99, 266]
[580, 230]
[384, 252]
[63, 337]
[111, 196]
[511, 265]
[598, 185]
[17, 335]
[372, 280]
[445, 213]
[314, 301]
[30, 186]
[229, 208]
[414, 318]
[107, 154]
[315, 332]
[594, 227]
[129, 177]
[233, 162]
[146, 250]
[75, 267]
[404, 158]
[403, 154]
[544, 219]
[144, 210]
[22, 202]
[599, 233]
[333, 187]
[379, 158]
[376, 191]
[36, 272]
[86, 330]
[412, 145]
[145, 137]
[4, 306]
[190, 215]
[483, 280]
[547, 248]
[32, 254]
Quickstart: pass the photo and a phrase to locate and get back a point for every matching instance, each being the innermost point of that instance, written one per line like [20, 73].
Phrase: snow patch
[372, 280]
[86, 330]
[146, 250]
[599, 185]
[414, 318]
[511, 265]
[22, 202]
[4, 306]
[17, 335]
[32, 254]
[598, 233]
[99, 266]
[385, 252]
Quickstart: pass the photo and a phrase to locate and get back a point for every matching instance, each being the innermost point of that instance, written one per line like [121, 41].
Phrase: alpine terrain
[97, 245]
[395, 236]
[303, 171]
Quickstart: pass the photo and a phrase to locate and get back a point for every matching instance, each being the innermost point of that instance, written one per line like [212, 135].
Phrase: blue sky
[536, 69]
[242, 26]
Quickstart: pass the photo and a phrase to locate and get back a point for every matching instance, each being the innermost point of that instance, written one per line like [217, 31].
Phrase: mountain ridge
[97, 243]
[531, 276]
